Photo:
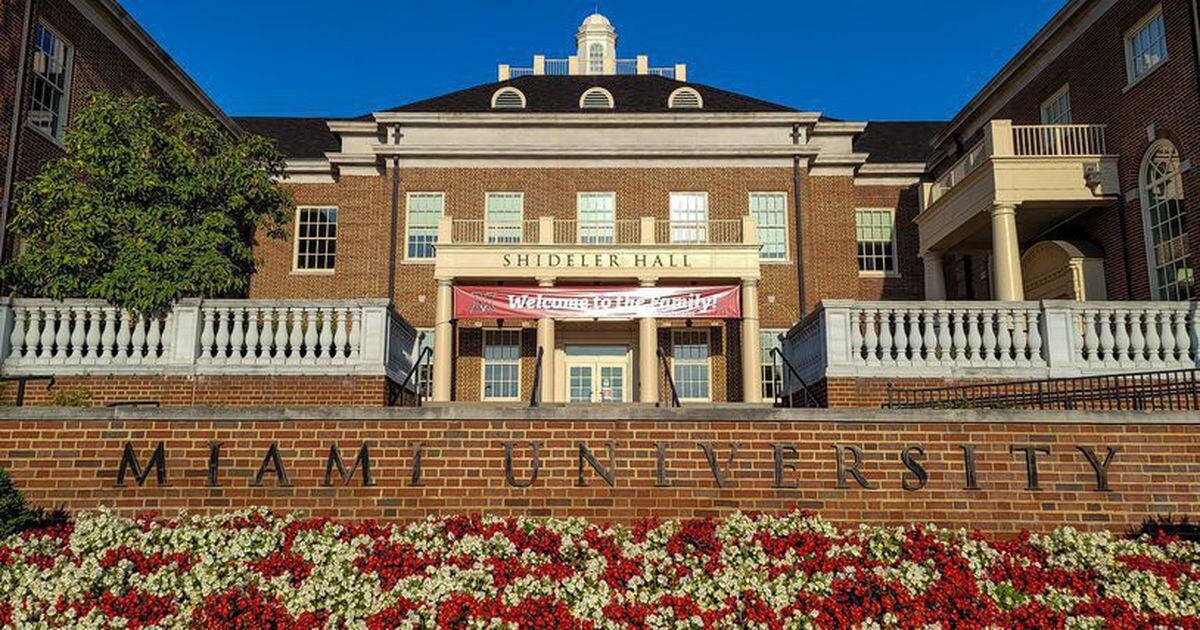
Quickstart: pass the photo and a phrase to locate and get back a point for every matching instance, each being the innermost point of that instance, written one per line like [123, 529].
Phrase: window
[596, 98]
[772, 371]
[876, 241]
[505, 213]
[596, 58]
[501, 364]
[689, 217]
[597, 217]
[425, 338]
[1056, 110]
[689, 361]
[50, 92]
[685, 98]
[316, 238]
[424, 210]
[1145, 46]
[1165, 220]
[770, 213]
[508, 98]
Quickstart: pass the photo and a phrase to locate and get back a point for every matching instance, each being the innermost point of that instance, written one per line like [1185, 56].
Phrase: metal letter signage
[715, 302]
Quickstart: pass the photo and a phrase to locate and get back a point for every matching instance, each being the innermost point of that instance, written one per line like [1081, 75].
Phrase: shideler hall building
[599, 228]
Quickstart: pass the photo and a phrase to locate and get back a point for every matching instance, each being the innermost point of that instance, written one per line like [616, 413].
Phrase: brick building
[68, 49]
[581, 174]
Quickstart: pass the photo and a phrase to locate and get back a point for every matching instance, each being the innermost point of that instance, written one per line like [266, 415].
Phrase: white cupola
[597, 44]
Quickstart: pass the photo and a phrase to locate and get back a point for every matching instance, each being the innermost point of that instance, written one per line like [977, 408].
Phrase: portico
[623, 287]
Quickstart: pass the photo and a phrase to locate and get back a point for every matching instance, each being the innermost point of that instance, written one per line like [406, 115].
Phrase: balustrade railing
[715, 231]
[210, 336]
[619, 232]
[1000, 339]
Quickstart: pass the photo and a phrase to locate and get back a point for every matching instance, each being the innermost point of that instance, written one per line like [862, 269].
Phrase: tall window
[424, 210]
[1057, 109]
[689, 361]
[770, 213]
[1146, 46]
[876, 241]
[1165, 218]
[501, 364]
[772, 371]
[597, 217]
[689, 218]
[505, 214]
[596, 58]
[50, 86]
[316, 238]
[425, 337]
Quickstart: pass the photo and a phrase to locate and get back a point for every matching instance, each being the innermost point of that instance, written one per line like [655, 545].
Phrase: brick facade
[204, 391]
[1165, 102]
[830, 265]
[71, 460]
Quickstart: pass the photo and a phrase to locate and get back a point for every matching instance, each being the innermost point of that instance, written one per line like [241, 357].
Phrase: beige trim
[623, 119]
[505, 89]
[612, 102]
[685, 90]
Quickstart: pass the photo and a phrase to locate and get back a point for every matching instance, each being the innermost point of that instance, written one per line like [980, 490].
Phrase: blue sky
[853, 59]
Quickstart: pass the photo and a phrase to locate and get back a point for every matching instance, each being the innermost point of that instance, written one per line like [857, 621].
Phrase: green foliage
[149, 205]
[71, 398]
[14, 514]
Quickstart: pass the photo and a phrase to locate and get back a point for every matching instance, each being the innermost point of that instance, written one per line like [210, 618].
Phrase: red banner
[720, 302]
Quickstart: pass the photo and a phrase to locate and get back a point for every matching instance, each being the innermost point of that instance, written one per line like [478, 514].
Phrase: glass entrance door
[597, 374]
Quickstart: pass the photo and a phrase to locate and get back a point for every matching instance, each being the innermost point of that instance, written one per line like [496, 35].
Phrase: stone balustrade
[206, 337]
[993, 339]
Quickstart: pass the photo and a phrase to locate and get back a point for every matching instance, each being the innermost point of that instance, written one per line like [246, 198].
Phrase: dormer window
[508, 98]
[685, 98]
[596, 98]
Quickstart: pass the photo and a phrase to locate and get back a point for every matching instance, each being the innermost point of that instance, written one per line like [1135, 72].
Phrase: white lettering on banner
[719, 302]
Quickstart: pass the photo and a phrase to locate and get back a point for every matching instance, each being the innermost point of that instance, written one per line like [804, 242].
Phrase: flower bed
[253, 569]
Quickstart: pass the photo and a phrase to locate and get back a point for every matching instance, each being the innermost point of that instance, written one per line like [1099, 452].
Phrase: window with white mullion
[876, 241]
[689, 364]
[1057, 109]
[689, 218]
[316, 238]
[596, 218]
[425, 339]
[505, 217]
[501, 364]
[424, 211]
[770, 214]
[50, 92]
[772, 371]
[1165, 218]
[1146, 46]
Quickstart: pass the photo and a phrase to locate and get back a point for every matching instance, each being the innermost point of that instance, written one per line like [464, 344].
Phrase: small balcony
[646, 248]
[1047, 173]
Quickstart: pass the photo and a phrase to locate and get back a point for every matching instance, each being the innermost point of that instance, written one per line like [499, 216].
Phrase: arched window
[596, 98]
[1164, 217]
[508, 98]
[685, 98]
[596, 58]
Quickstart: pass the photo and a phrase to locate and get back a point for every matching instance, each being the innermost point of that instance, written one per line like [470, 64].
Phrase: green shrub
[15, 516]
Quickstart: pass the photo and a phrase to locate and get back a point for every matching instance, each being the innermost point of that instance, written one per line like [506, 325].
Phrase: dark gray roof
[897, 142]
[295, 137]
[636, 94]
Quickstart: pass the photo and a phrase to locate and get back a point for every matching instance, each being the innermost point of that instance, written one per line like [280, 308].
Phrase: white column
[751, 348]
[1007, 284]
[935, 276]
[443, 343]
[648, 357]
[545, 341]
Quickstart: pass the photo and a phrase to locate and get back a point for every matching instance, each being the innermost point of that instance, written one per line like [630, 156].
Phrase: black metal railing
[808, 400]
[666, 368]
[397, 395]
[23, 381]
[1156, 391]
[535, 394]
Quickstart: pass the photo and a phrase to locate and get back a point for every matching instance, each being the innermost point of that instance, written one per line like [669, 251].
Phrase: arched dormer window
[685, 98]
[508, 98]
[1164, 218]
[596, 98]
[596, 58]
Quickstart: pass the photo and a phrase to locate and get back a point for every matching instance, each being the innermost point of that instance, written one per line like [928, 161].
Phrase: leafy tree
[150, 204]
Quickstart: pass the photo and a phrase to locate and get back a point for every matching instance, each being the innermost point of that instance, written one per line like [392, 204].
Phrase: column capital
[933, 255]
[1004, 208]
[445, 282]
[647, 282]
[750, 282]
[546, 281]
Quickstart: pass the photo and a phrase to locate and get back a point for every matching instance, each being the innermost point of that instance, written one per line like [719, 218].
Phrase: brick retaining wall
[71, 457]
[203, 390]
